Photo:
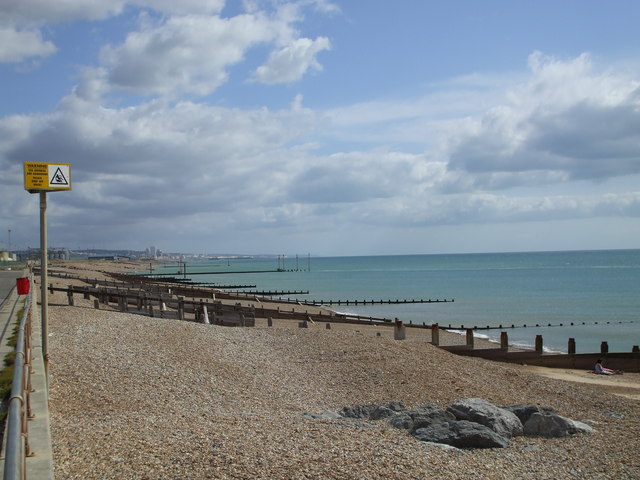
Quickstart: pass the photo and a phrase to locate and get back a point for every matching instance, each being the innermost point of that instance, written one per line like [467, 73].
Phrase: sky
[325, 127]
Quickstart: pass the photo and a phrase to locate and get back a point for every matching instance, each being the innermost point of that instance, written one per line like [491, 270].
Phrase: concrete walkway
[40, 464]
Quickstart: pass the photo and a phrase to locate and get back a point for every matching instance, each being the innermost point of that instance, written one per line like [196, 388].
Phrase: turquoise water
[599, 288]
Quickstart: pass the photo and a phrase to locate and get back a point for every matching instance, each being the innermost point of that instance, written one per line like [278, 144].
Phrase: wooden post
[328, 326]
[538, 343]
[635, 349]
[70, 295]
[470, 337]
[504, 340]
[269, 322]
[435, 334]
[604, 348]
[571, 346]
[180, 308]
[96, 304]
[399, 330]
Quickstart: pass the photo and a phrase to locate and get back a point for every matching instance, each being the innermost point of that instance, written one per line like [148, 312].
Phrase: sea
[590, 296]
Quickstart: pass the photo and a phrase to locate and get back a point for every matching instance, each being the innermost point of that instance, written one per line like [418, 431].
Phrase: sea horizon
[221, 256]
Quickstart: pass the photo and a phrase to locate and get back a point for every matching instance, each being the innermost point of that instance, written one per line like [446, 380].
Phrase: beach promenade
[40, 463]
[134, 397]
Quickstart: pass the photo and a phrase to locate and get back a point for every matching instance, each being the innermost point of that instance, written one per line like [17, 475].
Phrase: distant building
[52, 254]
[7, 256]
[153, 252]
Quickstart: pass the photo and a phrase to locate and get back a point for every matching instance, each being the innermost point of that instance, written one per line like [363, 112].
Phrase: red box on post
[23, 285]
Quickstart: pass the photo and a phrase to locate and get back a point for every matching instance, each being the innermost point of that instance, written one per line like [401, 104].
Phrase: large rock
[420, 417]
[524, 411]
[373, 412]
[381, 412]
[402, 420]
[357, 411]
[500, 420]
[461, 434]
[551, 426]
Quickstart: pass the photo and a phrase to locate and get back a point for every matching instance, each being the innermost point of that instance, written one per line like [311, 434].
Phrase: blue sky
[334, 128]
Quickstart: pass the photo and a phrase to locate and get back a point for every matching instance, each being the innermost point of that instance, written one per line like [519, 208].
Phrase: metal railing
[19, 411]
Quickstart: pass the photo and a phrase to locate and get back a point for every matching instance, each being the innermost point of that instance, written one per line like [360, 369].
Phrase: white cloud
[21, 21]
[194, 43]
[154, 160]
[486, 208]
[513, 157]
[183, 7]
[191, 54]
[290, 63]
[352, 177]
[40, 11]
[187, 54]
[567, 118]
[18, 45]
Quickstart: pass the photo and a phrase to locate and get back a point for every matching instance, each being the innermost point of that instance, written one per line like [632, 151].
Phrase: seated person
[604, 371]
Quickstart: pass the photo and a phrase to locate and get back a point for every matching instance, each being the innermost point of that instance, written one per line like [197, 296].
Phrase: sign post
[42, 178]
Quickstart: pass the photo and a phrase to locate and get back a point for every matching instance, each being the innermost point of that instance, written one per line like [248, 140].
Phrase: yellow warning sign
[47, 177]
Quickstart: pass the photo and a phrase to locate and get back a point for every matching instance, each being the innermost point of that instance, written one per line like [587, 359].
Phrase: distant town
[150, 253]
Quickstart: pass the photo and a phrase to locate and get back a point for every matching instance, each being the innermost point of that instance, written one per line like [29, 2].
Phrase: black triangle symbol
[58, 178]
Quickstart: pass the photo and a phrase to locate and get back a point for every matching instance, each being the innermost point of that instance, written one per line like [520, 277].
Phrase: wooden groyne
[273, 293]
[538, 325]
[169, 304]
[161, 275]
[184, 286]
[376, 302]
[626, 361]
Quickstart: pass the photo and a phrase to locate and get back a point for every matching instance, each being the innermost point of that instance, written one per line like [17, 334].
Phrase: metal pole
[44, 293]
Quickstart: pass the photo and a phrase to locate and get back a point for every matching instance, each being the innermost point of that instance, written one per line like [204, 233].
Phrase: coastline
[139, 397]
[588, 297]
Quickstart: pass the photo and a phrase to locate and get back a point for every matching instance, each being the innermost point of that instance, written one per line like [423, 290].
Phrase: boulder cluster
[468, 423]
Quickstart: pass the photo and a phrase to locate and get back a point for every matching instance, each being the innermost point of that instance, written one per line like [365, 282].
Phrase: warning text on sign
[47, 177]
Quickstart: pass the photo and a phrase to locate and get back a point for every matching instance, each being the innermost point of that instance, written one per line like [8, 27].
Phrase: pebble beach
[134, 397]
